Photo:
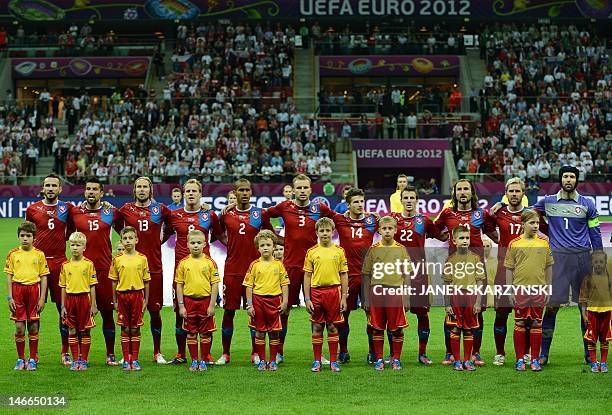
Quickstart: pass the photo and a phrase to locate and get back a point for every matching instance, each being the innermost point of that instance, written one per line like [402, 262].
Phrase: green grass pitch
[565, 386]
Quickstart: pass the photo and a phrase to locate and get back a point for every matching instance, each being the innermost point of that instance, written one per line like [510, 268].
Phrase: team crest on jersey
[62, 208]
[256, 214]
[419, 221]
[313, 209]
[205, 216]
[155, 210]
[578, 210]
[477, 214]
[106, 210]
[369, 220]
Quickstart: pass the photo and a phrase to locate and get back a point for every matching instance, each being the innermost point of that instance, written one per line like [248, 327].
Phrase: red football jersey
[241, 227]
[412, 233]
[300, 234]
[510, 227]
[182, 222]
[97, 225]
[478, 220]
[356, 237]
[149, 223]
[51, 227]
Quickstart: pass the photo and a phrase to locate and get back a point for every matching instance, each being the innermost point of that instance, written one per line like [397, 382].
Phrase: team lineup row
[240, 223]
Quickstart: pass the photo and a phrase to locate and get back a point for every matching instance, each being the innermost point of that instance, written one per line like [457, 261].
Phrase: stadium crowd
[545, 104]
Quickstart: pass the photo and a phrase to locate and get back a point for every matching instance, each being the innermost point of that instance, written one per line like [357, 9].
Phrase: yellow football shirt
[596, 293]
[266, 277]
[376, 265]
[131, 271]
[77, 276]
[529, 259]
[463, 270]
[326, 264]
[197, 276]
[26, 267]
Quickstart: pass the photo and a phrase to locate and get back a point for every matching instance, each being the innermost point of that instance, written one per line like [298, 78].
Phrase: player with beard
[412, 231]
[508, 220]
[356, 231]
[240, 223]
[97, 220]
[50, 215]
[299, 216]
[182, 221]
[464, 211]
[148, 217]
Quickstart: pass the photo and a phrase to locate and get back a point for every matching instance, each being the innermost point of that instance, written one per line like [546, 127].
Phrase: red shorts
[531, 313]
[197, 320]
[598, 327]
[463, 309]
[78, 312]
[129, 313]
[26, 299]
[156, 292]
[234, 293]
[387, 318]
[354, 292]
[104, 291]
[267, 315]
[296, 279]
[420, 303]
[326, 303]
[55, 266]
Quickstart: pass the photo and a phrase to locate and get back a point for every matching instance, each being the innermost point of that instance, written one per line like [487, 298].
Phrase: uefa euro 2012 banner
[70, 10]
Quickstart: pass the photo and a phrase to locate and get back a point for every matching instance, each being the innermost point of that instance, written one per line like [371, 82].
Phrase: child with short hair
[596, 303]
[130, 275]
[78, 283]
[463, 269]
[119, 248]
[325, 291]
[528, 263]
[26, 271]
[386, 311]
[279, 252]
[267, 292]
[197, 281]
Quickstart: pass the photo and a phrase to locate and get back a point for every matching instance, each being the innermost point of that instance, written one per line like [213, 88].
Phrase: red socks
[260, 346]
[274, 345]
[192, 345]
[125, 346]
[520, 335]
[73, 343]
[85, 345]
[33, 340]
[205, 344]
[20, 343]
[455, 344]
[317, 346]
[332, 342]
[535, 339]
[378, 338]
[468, 344]
[423, 332]
[604, 352]
[398, 343]
[135, 344]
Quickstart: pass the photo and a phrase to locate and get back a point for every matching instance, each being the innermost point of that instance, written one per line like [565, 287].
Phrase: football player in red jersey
[356, 231]
[97, 221]
[299, 216]
[412, 231]
[508, 220]
[464, 210]
[50, 215]
[241, 224]
[182, 221]
[148, 218]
